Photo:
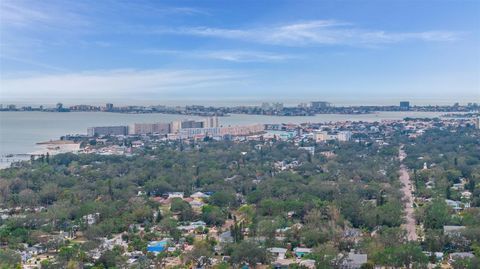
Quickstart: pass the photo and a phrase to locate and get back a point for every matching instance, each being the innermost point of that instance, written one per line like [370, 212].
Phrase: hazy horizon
[245, 101]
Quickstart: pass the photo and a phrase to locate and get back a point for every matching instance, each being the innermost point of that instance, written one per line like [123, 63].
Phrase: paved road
[408, 198]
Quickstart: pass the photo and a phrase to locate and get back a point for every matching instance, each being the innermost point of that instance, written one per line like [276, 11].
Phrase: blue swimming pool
[157, 246]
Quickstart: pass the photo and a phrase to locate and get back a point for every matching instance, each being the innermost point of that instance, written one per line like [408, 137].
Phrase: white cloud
[74, 15]
[175, 11]
[246, 56]
[156, 9]
[224, 55]
[16, 15]
[311, 33]
[36, 15]
[27, 25]
[116, 83]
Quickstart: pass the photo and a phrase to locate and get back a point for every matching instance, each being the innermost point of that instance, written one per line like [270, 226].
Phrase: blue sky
[155, 51]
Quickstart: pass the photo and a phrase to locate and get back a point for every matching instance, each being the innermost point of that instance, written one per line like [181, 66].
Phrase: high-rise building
[192, 132]
[84, 108]
[192, 124]
[175, 126]
[266, 106]
[150, 128]
[107, 130]
[161, 128]
[319, 104]
[476, 121]
[59, 106]
[303, 105]
[405, 105]
[109, 107]
[210, 122]
[277, 106]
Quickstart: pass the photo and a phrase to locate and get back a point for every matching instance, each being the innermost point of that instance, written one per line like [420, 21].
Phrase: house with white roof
[199, 195]
[278, 253]
[175, 195]
[300, 252]
[453, 230]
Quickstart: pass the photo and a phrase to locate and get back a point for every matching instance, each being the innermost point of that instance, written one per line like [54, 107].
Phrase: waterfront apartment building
[221, 131]
[175, 126]
[178, 125]
[192, 124]
[210, 122]
[242, 130]
[319, 104]
[107, 130]
[180, 129]
[199, 132]
[149, 128]
[277, 106]
[404, 105]
[108, 107]
[84, 108]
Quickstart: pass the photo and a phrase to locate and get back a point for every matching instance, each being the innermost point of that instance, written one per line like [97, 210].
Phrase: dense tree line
[357, 188]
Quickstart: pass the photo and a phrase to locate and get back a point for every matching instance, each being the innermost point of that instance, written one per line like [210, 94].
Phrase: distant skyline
[161, 52]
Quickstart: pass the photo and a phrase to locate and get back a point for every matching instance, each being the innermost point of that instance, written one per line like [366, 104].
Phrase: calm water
[19, 131]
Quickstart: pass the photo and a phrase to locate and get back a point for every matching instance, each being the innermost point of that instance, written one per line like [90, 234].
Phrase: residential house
[310, 264]
[466, 195]
[452, 230]
[457, 205]
[197, 204]
[199, 195]
[175, 195]
[460, 255]
[300, 252]
[278, 253]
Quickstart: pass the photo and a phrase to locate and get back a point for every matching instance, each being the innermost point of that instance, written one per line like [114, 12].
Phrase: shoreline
[44, 149]
[49, 127]
[373, 111]
[56, 142]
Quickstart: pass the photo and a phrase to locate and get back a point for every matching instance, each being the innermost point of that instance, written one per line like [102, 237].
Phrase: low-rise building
[460, 255]
[322, 136]
[175, 195]
[278, 253]
[200, 195]
[453, 230]
[300, 252]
